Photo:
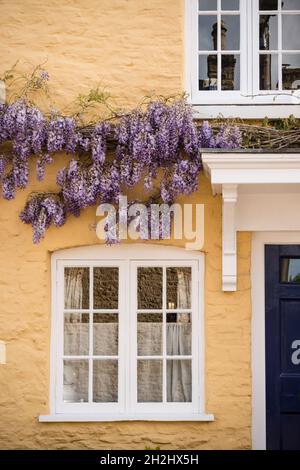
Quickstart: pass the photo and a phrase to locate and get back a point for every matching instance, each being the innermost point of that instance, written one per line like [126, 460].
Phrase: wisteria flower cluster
[42, 211]
[161, 139]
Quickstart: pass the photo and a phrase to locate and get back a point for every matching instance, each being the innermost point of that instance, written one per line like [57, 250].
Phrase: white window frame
[126, 257]
[249, 101]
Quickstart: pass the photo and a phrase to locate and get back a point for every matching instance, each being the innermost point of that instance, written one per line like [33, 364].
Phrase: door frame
[259, 240]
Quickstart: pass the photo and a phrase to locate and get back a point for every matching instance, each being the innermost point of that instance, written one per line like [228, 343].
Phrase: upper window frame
[249, 101]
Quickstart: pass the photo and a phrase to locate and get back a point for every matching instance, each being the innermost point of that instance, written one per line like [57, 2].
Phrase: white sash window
[243, 52]
[127, 338]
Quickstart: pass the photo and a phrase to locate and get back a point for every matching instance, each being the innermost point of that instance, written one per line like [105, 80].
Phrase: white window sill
[85, 417]
[271, 111]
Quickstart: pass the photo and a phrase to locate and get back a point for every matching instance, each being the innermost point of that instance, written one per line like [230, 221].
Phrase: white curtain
[179, 388]
[183, 289]
[73, 287]
[75, 339]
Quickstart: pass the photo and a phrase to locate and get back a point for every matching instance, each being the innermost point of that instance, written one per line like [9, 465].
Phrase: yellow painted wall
[135, 47]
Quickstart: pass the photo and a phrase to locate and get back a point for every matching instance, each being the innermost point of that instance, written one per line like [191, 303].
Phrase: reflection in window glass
[76, 334]
[75, 386]
[291, 5]
[106, 334]
[291, 71]
[207, 5]
[290, 270]
[76, 288]
[208, 72]
[230, 27]
[268, 4]
[105, 381]
[268, 69]
[149, 377]
[268, 32]
[149, 334]
[106, 288]
[207, 33]
[179, 381]
[230, 72]
[150, 283]
[230, 4]
[291, 32]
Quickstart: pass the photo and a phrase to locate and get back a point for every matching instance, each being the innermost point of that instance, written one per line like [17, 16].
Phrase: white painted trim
[229, 262]
[259, 240]
[251, 168]
[132, 250]
[249, 111]
[229, 174]
[127, 255]
[138, 417]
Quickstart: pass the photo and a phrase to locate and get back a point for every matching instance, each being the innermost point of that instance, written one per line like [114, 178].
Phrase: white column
[229, 256]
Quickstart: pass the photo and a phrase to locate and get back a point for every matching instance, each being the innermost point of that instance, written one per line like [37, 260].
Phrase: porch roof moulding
[260, 191]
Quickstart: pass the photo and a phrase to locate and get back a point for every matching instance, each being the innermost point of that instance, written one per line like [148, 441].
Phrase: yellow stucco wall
[135, 47]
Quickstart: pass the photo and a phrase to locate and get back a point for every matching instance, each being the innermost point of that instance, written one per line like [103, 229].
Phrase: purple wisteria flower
[41, 211]
[162, 139]
[44, 75]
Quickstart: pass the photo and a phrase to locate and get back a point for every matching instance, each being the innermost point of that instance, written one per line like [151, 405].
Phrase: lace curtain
[73, 287]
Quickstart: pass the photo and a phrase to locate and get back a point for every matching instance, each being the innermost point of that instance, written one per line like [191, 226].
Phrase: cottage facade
[147, 343]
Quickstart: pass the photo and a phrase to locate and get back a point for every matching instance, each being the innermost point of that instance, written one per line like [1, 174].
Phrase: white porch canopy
[260, 191]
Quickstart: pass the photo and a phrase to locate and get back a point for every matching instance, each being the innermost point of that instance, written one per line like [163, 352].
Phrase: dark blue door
[282, 274]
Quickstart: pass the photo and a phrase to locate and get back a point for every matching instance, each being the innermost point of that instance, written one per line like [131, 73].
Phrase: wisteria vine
[106, 159]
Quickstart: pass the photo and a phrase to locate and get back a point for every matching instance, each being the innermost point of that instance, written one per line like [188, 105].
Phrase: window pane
[179, 380]
[291, 5]
[76, 334]
[290, 270]
[268, 32]
[291, 71]
[291, 32]
[106, 288]
[77, 288]
[179, 334]
[106, 334]
[149, 334]
[268, 67]
[268, 4]
[75, 386]
[208, 5]
[230, 32]
[149, 377]
[179, 288]
[208, 72]
[150, 281]
[230, 4]
[208, 37]
[230, 72]
[105, 381]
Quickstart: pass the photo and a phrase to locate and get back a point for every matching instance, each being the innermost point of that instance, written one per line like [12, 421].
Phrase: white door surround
[260, 191]
[259, 240]
[261, 194]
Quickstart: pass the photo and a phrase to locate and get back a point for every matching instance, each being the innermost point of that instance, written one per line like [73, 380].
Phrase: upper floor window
[243, 51]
